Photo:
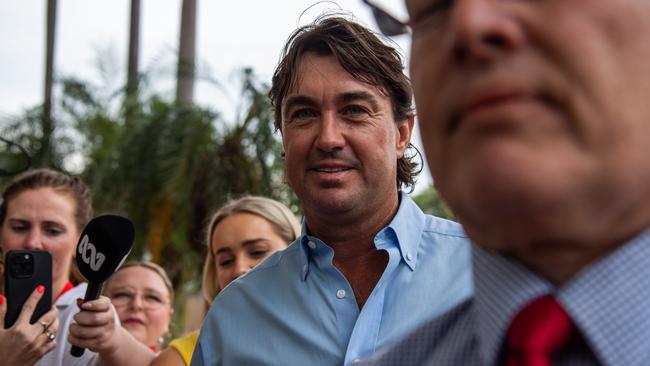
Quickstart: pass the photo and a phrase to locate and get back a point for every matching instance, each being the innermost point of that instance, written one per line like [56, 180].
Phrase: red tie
[538, 330]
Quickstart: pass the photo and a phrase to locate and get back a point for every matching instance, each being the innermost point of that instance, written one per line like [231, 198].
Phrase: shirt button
[312, 245]
[340, 294]
[409, 256]
[304, 269]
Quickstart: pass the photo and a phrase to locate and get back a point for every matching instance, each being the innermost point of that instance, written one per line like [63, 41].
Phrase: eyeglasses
[149, 301]
[387, 24]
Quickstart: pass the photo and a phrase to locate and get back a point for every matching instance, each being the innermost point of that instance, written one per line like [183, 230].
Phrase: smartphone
[24, 271]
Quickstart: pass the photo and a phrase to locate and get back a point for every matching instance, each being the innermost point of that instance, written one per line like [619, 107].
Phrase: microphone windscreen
[103, 245]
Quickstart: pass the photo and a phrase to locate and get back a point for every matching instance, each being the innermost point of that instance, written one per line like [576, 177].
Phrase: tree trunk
[186, 54]
[44, 155]
[131, 99]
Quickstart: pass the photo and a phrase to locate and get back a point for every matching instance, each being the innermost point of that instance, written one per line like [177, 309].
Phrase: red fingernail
[79, 301]
[2, 299]
[40, 289]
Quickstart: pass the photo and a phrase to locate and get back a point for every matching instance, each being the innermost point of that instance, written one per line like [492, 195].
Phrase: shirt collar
[404, 231]
[502, 287]
[67, 287]
[70, 297]
[610, 303]
[407, 226]
[616, 325]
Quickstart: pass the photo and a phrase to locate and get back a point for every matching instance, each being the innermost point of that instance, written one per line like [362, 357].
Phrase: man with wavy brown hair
[354, 281]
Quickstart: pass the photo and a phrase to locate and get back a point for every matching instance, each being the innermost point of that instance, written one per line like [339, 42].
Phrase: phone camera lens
[22, 266]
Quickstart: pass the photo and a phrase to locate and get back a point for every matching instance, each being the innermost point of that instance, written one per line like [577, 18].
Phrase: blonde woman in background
[142, 295]
[240, 235]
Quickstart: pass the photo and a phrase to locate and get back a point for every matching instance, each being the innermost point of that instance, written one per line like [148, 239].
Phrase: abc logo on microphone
[90, 255]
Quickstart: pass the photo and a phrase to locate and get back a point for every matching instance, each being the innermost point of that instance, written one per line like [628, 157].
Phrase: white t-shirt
[60, 356]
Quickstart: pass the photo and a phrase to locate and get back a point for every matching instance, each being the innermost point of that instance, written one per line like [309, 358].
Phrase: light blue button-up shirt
[296, 308]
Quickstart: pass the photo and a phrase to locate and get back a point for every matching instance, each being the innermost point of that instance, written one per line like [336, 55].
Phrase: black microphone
[103, 246]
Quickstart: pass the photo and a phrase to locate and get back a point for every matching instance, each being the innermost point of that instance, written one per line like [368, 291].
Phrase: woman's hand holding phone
[25, 343]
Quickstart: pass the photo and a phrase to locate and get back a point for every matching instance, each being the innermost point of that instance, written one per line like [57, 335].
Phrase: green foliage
[430, 202]
[165, 167]
[47, 147]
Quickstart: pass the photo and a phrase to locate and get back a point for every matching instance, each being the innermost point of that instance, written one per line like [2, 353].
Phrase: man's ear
[403, 134]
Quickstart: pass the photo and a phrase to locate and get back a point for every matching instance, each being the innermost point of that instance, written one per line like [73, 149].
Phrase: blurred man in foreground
[535, 121]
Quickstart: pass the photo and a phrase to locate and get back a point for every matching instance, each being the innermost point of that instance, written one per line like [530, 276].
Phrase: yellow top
[185, 345]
